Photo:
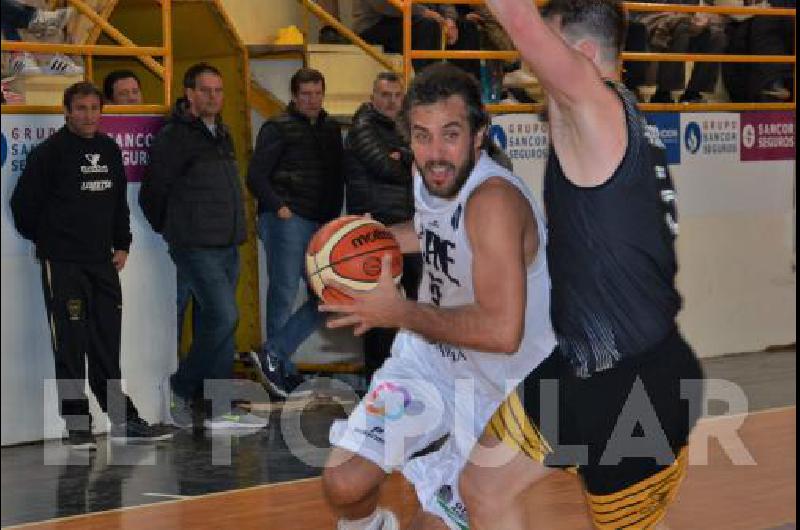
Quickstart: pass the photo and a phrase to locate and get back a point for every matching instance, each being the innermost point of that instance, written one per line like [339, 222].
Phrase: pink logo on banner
[768, 136]
[133, 134]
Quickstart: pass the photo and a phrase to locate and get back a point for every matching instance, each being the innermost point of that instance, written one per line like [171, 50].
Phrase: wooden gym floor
[719, 495]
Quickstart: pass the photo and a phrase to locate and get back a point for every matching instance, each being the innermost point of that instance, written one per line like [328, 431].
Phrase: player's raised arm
[565, 73]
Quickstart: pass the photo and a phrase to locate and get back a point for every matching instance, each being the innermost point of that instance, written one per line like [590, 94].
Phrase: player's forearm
[406, 237]
[464, 326]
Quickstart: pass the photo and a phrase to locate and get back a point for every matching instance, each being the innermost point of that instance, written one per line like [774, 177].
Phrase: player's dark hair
[604, 20]
[441, 81]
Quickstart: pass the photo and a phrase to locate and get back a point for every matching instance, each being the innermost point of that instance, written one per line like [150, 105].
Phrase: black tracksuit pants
[84, 311]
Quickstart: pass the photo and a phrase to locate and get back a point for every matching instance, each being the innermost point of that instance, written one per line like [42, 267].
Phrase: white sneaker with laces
[24, 63]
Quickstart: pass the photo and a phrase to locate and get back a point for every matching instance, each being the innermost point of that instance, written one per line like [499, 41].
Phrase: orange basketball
[349, 250]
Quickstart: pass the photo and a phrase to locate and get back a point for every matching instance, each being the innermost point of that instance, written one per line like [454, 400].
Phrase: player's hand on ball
[380, 307]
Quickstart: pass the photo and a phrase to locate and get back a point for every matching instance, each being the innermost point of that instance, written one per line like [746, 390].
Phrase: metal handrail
[409, 54]
[126, 48]
[349, 34]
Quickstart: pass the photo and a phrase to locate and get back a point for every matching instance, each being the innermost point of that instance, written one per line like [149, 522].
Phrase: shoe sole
[230, 425]
[83, 447]
[140, 439]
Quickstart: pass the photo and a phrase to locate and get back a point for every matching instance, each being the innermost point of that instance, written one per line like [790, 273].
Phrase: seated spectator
[634, 73]
[760, 35]
[379, 22]
[40, 23]
[122, 87]
[671, 32]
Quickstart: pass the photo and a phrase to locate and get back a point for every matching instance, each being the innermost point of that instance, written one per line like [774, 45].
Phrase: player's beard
[462, 174]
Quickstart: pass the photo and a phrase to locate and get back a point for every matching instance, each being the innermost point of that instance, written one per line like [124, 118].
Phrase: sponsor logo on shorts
[375, 433]
[388, 400]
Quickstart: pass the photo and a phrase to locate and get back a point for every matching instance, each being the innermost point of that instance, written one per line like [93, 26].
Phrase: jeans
[15, 15]
[183, 297]
[285, 242]
[211, 275]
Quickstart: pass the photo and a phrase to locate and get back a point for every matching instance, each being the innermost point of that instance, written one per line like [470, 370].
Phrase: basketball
[349, 250]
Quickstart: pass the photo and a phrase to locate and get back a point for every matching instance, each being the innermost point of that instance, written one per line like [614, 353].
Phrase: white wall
[29, 408]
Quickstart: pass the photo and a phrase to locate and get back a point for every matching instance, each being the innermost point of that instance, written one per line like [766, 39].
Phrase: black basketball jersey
[611, 253]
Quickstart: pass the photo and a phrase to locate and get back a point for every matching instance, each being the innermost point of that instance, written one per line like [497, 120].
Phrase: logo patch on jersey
[456, 219]
[95, 167]
[436, 251]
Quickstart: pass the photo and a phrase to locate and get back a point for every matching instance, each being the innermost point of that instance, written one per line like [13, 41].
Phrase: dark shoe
[180, 410]
[271, 371]
[293, 381]
[329, 35]
[139, 431]
[662, 97]
[691, 97]
[81, 441]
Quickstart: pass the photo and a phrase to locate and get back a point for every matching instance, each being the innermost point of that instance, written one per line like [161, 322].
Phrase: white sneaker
[24, 63]
[50, 22]
[63, 65]
[236, 419]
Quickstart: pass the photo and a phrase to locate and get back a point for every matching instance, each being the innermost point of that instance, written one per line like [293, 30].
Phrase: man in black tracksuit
[377, 166]
[71, 202]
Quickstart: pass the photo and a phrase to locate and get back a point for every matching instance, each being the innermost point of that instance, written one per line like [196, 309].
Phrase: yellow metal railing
[124, 48]
[410, 54]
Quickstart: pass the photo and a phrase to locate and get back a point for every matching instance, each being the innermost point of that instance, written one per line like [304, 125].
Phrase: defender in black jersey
[614, 402]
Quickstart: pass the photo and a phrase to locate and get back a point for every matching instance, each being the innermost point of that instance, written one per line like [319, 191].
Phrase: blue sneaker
[271, 372]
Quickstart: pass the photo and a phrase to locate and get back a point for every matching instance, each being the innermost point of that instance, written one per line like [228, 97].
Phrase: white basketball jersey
[447, 282]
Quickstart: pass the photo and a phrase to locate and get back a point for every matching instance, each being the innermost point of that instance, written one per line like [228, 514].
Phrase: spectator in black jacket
[71, 202]
[377, 163]
[193, 197]
[296, 175]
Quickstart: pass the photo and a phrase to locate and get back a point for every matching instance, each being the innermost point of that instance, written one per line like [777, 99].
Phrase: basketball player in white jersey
[482, 321]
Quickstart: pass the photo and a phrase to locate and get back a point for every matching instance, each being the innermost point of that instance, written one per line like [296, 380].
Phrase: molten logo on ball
[349, 251]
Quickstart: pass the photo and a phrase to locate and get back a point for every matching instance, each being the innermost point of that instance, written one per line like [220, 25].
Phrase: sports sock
[371, 522]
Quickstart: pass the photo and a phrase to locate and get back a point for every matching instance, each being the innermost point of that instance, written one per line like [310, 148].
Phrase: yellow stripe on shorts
[511, 425]
[641, 505]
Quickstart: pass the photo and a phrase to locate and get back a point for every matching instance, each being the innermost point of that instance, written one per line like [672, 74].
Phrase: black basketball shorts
[623, 430]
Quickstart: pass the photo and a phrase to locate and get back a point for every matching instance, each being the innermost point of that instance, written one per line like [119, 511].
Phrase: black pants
[84, 310]
[671, 76]
[378, 341]
[426, 34]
